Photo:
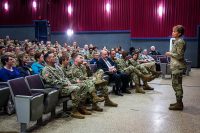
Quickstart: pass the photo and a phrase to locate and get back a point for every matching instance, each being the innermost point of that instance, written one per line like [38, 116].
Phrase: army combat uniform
[81, 73]
[54, 76]
[177, 66]
[144, 71]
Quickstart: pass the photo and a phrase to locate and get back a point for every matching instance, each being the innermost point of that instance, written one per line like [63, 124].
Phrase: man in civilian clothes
[109, 68]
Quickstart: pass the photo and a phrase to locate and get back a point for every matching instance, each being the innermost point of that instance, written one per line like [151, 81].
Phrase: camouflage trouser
[142, 69]
[151, 65]
[177, 85]
[89, 85]
[75, 92]
[131, 69]
[103, 88]
[135, 78]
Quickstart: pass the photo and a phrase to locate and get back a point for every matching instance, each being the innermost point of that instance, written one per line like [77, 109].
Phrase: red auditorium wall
[144, 18]
[146, 22]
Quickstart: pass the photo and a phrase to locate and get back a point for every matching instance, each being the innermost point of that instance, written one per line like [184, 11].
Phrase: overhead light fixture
[108, 7]
[69, 9]
[6, 6]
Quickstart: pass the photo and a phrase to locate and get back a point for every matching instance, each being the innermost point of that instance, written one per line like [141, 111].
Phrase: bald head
[153, 48]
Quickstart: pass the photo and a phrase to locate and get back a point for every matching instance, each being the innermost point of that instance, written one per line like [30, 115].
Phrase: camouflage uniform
[177, 66]
[54, 76]
[145, 71]
[150, 64]
[81, 73]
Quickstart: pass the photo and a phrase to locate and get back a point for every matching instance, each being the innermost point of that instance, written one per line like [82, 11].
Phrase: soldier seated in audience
[81, 72]
[147, 60]
[134, 73]
[54, 76]
[145, 70]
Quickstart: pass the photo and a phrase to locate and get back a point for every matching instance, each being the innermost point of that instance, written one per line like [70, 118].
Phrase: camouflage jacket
[121, 64]
[133, 62]
[67, 72]
[54, 76]
[177, 55]
[78, 72]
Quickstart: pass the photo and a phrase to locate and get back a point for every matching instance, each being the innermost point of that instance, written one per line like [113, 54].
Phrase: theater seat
[4, 96]
[35, 82]
[29, 106]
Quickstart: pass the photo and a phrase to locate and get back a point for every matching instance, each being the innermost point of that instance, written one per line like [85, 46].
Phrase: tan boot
[147, 77]
[76, 114]
[84, 111]
[101, 82]
[110, 103]
[147, 87]
[96, 99]
[177, 106]
[139, 89]
[172, 104]
[95, 107]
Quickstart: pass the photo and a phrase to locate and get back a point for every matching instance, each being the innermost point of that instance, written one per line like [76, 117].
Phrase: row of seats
[31, 99]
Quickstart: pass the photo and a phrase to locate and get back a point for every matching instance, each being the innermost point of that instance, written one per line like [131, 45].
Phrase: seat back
[35, 82]
[18, 86]
[93, 67]
[4, 96]
[163, 60]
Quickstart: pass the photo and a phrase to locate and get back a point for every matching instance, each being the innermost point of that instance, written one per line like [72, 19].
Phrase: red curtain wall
[145, 21]
[138, 16]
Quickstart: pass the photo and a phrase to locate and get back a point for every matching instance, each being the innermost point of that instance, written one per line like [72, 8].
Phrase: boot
[95, 107]
[76, 114]
[126, 91]
[156, 73]
[147, 77]
[108, 102]
[147, 87]
[96, 99]
[101, 82]
[139, 89]
[177, 106]
[172, 104]
[84, 111]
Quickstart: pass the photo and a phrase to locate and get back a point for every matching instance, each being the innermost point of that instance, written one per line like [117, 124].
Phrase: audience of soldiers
[68, 68]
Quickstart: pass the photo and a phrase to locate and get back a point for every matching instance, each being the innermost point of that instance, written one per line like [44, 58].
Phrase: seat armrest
[3, 84]
[46, 91]
[25, 106]
[23, 97]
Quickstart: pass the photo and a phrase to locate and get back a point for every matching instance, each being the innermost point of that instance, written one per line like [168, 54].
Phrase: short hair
[77, 56]
[37, 55]
[63, 58]
[179, 29]
[4, 59]
[47, 55]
